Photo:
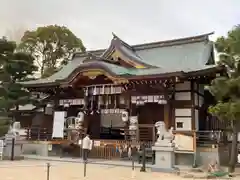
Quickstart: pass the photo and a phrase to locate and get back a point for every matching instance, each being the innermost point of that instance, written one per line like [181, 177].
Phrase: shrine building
[159, 81]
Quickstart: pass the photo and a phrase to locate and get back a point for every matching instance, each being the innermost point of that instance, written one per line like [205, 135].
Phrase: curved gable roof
[192, 51]
[126, 51]
[76, 65]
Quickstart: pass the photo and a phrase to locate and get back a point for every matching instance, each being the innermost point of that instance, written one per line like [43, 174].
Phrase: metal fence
[44, 134]
[119, 149]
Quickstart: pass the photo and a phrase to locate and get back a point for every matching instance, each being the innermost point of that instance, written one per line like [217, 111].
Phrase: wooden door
[149, 114]
[93, 125]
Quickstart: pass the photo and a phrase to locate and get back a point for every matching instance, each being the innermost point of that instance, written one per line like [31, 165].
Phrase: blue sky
[134, 21]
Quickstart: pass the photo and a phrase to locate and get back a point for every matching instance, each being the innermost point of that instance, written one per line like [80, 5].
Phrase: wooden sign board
[184, 142]
[160, 99]
[71, 102]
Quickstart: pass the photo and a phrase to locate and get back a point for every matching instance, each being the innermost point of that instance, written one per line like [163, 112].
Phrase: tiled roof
[187, 55]
[66, 70]
[163, 57]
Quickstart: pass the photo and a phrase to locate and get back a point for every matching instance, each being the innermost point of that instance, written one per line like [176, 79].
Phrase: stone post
[125, 119]
[13, 133]
[79, 120]
[133, 128]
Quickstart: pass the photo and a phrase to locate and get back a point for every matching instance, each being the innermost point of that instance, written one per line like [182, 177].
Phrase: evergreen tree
[51, 46]
[226, 88]
[14, 68]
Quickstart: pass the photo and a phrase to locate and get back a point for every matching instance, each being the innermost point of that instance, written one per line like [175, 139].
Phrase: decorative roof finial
[114, 35]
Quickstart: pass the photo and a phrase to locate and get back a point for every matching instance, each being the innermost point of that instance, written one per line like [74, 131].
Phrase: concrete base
[165, 159]
[36, 148]
[15, 158]
[165, 170]
[17, 151]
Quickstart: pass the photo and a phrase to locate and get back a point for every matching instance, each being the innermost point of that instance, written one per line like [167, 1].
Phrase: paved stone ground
[32, 169]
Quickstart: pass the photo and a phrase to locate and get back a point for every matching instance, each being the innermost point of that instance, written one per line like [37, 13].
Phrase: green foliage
[226, 89]
[4, 126]
[14, 67]
[50, 46]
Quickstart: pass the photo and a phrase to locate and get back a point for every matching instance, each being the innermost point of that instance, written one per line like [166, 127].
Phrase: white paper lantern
[80, 117]
[124, 116]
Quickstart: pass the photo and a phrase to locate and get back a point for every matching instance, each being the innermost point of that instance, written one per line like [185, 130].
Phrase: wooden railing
[114, 149]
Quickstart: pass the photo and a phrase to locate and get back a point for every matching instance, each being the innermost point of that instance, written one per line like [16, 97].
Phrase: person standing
[86, 146]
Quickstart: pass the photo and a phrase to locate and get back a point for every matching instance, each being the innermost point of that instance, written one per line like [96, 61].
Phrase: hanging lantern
[124, 116]
[79, 120]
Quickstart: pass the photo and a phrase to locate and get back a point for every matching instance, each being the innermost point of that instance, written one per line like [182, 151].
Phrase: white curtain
[111, 120]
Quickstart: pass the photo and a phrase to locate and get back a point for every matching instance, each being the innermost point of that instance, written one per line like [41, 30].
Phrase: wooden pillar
[193, 105]
[56, 99]
[166, 115]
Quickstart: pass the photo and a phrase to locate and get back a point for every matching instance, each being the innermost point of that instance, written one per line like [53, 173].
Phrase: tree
[50, 46]
[14, 67]
[226, 88]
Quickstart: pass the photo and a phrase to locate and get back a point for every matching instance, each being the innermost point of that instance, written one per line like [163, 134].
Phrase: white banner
[58, 124]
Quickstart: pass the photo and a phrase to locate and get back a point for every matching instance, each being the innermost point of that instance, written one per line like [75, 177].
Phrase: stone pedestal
[164, 159]
[7, 153]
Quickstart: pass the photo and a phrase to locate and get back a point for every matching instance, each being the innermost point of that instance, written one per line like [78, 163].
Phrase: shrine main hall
[159, 81]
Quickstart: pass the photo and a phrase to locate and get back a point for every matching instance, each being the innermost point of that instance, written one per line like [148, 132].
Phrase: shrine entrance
[148, 115]
[103, 105]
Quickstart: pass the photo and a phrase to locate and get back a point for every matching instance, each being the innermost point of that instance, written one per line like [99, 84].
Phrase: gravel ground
[37, 170]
